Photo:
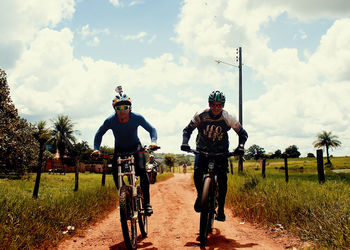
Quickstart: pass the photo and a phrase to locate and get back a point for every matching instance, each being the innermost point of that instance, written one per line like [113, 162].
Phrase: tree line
[324, 139]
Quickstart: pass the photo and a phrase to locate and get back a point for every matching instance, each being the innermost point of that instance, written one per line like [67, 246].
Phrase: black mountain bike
[131, 200]
[209, 201]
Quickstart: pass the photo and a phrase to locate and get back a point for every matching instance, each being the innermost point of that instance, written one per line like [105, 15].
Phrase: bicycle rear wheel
[206, 212]
[126, 218]
[142, 217]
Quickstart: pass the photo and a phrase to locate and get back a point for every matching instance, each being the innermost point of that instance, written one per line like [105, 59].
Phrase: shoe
[220, 215]
[148, 210]
[197, 205]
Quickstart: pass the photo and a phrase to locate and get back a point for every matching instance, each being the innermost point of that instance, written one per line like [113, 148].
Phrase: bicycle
[152, 174]
[209, 196]
[131, 198]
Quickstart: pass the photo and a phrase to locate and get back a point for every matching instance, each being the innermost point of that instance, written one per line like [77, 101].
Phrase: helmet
[151, 156]
[121, 98]
[216, 96]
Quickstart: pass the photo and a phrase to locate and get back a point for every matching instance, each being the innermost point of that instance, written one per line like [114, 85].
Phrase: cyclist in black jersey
[213, 125]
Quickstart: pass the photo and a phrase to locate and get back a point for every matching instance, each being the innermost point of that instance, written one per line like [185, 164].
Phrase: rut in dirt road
[175, 225]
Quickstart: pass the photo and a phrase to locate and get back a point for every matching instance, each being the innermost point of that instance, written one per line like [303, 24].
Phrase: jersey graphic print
[213, 132]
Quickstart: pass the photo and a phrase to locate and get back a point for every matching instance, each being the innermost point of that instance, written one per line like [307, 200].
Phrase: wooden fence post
[320, 169]
[263, 168]
[104, 168]
[286, 166]
[240, 164]
[76, 169]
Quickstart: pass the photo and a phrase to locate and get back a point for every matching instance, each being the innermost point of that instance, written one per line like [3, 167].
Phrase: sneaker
[149, 210]
[220, 215]
[197, 205]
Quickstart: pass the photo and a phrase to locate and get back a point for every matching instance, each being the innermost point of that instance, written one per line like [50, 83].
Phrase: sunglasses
[218, 105]
[122, 107]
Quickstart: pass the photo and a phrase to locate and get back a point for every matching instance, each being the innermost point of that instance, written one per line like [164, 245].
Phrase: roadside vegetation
[315, 212]
[27, 223]
[31, 223]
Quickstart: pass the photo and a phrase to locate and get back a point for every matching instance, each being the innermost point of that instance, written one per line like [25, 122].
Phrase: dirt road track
[175, 225]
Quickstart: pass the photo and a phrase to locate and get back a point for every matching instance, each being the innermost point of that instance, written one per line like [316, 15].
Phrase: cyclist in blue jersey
[124, 124]
[213, 125]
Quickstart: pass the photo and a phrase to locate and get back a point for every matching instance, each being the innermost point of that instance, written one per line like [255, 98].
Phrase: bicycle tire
[205, 212]
[126, 218]
[142, 217]
[153, 178]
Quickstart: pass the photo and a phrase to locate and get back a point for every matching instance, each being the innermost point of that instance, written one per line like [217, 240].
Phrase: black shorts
[201, 164]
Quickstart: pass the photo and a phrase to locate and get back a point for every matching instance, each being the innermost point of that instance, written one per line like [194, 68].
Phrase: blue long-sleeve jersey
[125, 134]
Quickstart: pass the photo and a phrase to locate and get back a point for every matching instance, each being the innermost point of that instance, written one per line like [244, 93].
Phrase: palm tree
[62, 135]
[42, 135]
[327, 140]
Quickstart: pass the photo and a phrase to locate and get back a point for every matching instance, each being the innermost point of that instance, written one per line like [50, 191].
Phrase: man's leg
[115, 173]
[222, 184]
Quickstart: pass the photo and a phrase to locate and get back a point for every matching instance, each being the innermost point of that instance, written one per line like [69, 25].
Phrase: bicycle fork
[132, 182]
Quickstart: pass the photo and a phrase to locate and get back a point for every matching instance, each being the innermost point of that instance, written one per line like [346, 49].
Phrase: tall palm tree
[42, 135]
[327, 140]
[62, 135]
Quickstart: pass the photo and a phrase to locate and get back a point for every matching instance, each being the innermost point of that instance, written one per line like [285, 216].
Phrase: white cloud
[162, 99]
[140, 36]
[151, 40]
[21, 20]
[91, 35]
[86, 32]
[133, 3]
[94, 42]
[115, 3]
[302, 97]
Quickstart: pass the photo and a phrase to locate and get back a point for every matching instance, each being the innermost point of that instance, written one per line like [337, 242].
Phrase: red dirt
[175, 225]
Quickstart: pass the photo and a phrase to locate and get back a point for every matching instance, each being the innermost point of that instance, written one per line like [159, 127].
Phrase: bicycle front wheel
[127, 219]
[142, 217]
[206, 212]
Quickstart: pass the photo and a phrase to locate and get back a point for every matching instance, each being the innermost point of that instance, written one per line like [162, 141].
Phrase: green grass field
[316, 212]
[27, 223]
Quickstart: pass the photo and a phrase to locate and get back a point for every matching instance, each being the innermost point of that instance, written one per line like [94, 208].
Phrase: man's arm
[149, 128]
[99, 134]
[237, 127]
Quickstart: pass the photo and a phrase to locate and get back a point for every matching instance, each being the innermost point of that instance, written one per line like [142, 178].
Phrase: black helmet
[217, 96]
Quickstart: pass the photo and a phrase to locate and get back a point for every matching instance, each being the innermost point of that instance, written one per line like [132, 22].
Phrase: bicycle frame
[209, 193]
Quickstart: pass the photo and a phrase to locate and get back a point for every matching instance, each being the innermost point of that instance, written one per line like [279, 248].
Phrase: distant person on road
[212, 125]
[124, 124]
[184, 168]
[153, 162]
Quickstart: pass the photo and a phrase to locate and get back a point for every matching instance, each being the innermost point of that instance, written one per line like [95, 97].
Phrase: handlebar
[143, 149]
[208, 154]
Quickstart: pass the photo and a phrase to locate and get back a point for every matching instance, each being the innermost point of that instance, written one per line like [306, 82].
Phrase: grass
[27, 223]
[316, 212]
[164, 176]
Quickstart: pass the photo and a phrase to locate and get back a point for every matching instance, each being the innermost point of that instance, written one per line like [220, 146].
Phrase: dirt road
[175, 225]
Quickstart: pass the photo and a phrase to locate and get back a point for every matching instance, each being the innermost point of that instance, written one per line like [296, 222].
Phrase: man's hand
[239, 150]
[153, 146]
[185, 147]
[95, 153]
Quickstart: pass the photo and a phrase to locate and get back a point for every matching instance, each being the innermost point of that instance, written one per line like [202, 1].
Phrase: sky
[66, 57]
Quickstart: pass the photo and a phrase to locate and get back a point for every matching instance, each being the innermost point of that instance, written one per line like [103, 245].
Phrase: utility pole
[239, 59]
